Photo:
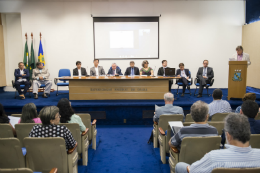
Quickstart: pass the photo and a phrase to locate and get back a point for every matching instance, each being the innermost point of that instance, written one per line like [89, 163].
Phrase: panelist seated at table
[114, 70]
[97, 70]
[21, 78]
[132, 70]
[41, 76]
[161, 70]
[185, 77]
[79, 71]
[146, 70]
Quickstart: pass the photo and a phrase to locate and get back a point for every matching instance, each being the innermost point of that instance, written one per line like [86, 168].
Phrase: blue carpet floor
[125, 149]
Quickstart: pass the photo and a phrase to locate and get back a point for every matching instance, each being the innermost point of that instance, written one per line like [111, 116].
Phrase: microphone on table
[154, 71]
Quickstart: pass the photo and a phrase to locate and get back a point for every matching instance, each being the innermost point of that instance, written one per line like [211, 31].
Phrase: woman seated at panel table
[50, 127]
[67, 114]
[29, 114]
[4, 118]
[146, 70]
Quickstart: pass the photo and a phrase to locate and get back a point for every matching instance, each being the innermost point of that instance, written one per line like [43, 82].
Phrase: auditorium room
[129, 86]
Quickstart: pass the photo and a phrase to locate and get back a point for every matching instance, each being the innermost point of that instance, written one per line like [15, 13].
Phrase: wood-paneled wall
[251, 45]
[2, 56]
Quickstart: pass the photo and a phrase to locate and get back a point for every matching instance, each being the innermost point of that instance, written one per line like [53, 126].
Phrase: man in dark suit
[79, 71]
[185, 76]
[132, 70]
[114, 70]
[161, 72]
[204, 75]
[21, 78]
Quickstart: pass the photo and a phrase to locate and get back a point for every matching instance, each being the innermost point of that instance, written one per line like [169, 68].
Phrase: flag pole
[26, 36]
[40, 36]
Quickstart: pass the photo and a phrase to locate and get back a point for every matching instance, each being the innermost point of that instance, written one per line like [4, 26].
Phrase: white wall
[190, 31]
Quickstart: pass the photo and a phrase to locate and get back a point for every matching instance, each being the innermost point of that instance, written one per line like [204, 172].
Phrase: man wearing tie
[21, 78]
[79, 71]
[161, 72]
[114, 70]
[204, 75]
[241, 56]
[41, 76]
[132, 70]
[185, 76]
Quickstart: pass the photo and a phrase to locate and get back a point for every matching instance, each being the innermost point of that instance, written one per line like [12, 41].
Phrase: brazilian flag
[40, 54]
[26, 56]
[32, 64]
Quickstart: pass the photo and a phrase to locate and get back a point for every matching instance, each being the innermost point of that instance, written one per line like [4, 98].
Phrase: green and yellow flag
[26, 56]
[40, 54]
[32, 64]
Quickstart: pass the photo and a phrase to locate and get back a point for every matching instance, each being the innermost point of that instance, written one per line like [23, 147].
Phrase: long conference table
[117, 87]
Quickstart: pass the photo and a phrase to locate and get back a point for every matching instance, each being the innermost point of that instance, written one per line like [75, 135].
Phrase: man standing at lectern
[241, 56]
[204, 75]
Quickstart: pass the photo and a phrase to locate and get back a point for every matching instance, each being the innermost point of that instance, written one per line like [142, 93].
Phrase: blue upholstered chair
[62, 73]
[22, 87]
[197, 84]
[181, 84]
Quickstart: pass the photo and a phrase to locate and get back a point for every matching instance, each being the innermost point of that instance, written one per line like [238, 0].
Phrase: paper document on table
[175, 126]
[232, 59]
[14, 120]
[156, 107]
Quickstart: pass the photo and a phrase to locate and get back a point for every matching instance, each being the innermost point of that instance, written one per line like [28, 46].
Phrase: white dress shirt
[183, 74]
[96, 68]
[79, 71]
[21, 79]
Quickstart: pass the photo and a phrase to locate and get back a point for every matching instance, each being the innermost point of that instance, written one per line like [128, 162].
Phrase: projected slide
[130, 40]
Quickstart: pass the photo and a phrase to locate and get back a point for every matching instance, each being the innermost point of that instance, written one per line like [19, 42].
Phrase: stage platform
[113, 112]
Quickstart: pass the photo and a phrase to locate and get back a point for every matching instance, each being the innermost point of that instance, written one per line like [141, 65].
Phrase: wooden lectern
[237, 79]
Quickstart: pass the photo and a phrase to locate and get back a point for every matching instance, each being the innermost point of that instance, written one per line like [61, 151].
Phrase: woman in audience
[29, 114]
[247, 96]
[50, 127]
[67, 114]
[146, 70]
[4, 118]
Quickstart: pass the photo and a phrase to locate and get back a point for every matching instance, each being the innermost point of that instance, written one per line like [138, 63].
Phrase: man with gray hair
[238, 152]
[40, 76]
[114, 70]
[168, 108]
[199, 113]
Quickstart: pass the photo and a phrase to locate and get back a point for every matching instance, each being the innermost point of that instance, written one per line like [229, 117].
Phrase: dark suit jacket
[210, 73]
[128, 71]
[118, 71]
[187, 72]
[17, 74]
[161, 71]
[76, 72]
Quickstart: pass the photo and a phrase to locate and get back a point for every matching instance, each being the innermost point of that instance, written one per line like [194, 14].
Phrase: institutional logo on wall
[237, 76]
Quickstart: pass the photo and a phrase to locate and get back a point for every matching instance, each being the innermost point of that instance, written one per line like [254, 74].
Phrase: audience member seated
[168, 108]
[247, 96]
[250, 109]
[146, 70]
[4, 118]
[21, 78]
[67, 114]
[50, 127]
[114, 70]
[29, 114]
[218, 105]
[79, 71]
[238, 154]
[97, 70]
[185, 76]
[41, 76]
[132, 70]
[199, 113]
